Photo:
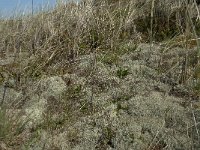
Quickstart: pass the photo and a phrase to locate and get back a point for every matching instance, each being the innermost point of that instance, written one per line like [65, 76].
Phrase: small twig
[195, 122]
[91, 100]
[94, 67]
[198, 14]
[32, 8]
[198, 123]
[4, 94]
[157, 133]
[151, 31]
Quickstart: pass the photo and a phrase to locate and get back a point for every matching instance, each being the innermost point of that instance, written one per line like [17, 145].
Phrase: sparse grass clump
[11, 128]
[122, 73]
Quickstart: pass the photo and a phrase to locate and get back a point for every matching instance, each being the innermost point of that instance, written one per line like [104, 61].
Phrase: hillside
[116, 75]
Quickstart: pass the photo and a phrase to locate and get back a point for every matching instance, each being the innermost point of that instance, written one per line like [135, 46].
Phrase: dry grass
[49, 43]
[58, 37]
